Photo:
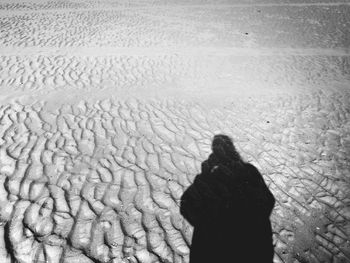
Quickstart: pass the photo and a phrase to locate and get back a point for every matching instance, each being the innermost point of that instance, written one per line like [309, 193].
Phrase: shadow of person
[229, 206]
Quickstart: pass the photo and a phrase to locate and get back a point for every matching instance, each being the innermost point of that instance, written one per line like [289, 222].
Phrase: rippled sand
[108, 108]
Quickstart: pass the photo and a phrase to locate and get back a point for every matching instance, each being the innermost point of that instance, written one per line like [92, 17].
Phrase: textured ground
[107, 109]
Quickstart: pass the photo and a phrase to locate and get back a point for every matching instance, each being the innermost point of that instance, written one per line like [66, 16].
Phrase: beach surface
[108, 108]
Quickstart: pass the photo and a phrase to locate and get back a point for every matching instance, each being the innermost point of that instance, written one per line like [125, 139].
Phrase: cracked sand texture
[108, 109]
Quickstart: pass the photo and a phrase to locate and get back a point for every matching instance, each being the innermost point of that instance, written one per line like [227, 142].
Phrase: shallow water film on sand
[108, 108]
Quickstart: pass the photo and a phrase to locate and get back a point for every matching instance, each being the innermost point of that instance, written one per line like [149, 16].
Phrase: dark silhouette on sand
[229, 206]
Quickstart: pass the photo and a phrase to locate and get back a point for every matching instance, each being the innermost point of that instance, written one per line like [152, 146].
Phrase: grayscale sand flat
[108, 108]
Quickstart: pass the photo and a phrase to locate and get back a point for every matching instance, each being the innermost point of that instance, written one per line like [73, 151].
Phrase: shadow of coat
[229, 207]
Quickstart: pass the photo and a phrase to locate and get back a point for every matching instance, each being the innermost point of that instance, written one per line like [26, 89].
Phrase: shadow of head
[223, 147]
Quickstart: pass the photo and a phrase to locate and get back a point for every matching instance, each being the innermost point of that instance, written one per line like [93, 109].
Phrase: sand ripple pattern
[111, 23]
[101, 182]
[123, 72]
[61, 72]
